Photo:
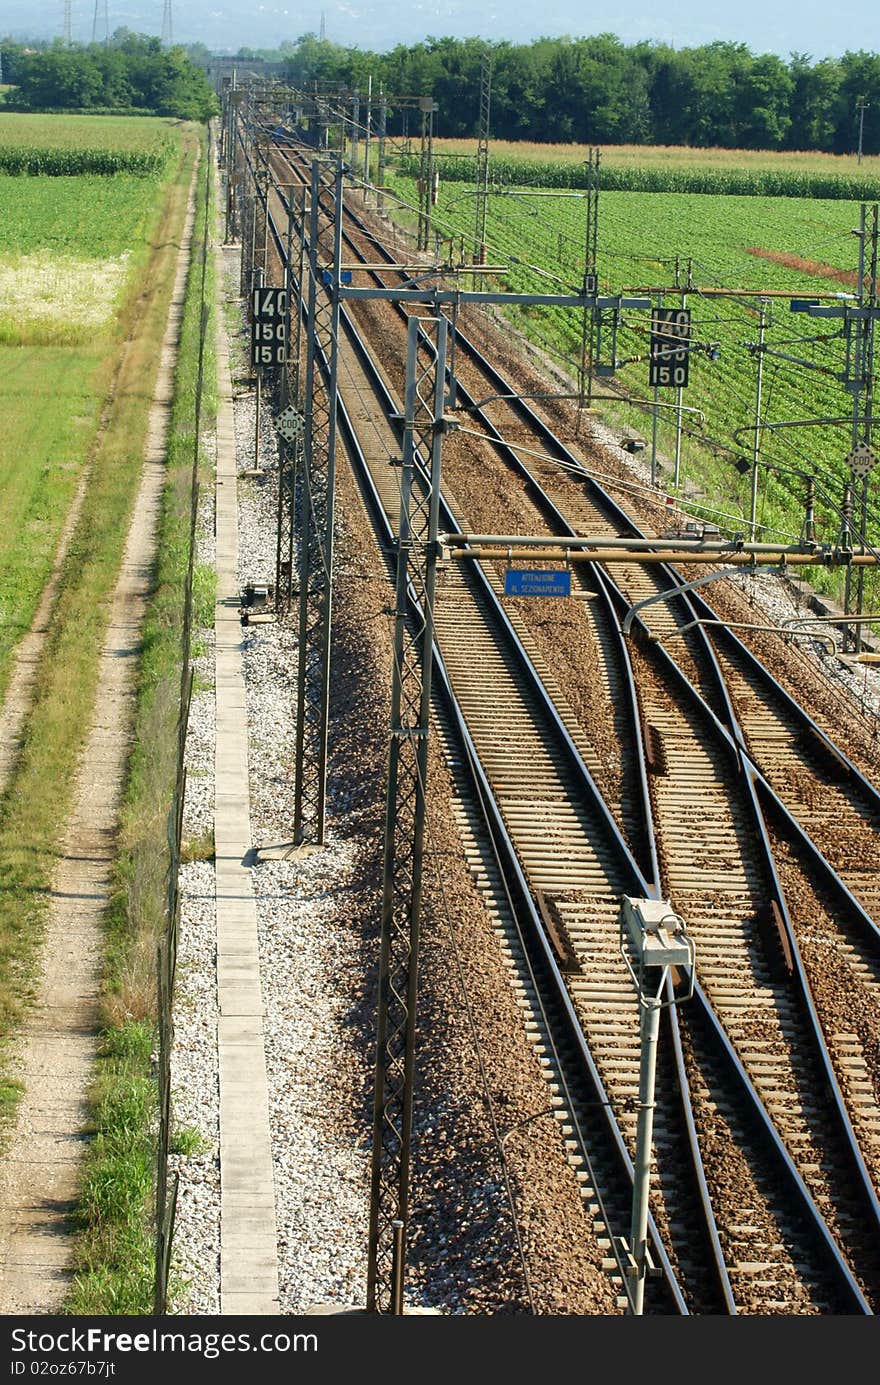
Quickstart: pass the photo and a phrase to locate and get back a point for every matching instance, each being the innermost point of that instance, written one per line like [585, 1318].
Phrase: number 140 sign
[670, 343]
[269, 327]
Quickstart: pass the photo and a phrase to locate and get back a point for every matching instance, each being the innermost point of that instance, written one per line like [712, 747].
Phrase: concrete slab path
[248, 1241]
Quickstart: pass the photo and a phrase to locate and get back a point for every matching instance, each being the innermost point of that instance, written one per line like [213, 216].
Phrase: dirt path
[39, 1173]
[20, 691]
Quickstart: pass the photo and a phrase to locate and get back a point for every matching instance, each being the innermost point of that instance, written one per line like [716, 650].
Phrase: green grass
[63, 284]
[198, 849]
[89, 216]
[50, 400]
[669, 155]
[55, 367]
[188, 1141]
[115, 1245]
[33, 809]
[115, 1250]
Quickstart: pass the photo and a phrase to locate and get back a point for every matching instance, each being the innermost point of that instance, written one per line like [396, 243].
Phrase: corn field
[741, 182]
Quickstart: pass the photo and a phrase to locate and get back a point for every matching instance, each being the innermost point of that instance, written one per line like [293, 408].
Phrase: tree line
[130, 72]
[569, 90]
[600, 90]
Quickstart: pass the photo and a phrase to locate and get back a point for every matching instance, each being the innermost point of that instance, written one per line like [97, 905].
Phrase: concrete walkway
[248, 1242]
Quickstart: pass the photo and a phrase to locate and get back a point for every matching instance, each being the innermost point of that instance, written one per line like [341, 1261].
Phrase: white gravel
[311, 966]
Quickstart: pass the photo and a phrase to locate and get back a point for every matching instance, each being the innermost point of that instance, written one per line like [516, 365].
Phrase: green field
[674, 155]
[644, 242]
[69, 251]
[89, 217]
[147, 134]
[70, 247]
[667, 156]
[48, 415]
[76, 144]
[647, 168]
[119, 133]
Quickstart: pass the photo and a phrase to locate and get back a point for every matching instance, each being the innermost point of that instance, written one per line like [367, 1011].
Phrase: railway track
[575, 867]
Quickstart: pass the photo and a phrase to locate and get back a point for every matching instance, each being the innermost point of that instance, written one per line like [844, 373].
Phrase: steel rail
[512, 866]
[591, 781]
[526, 916]
[803, 984]
[702, 607]
[748, 1088]
[851, 1142]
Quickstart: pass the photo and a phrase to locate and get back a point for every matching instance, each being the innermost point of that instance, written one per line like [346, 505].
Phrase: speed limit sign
[269, 326]
[670, 346]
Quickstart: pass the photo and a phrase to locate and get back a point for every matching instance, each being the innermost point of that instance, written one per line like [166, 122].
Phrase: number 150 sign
[269, 327]
[670, 342]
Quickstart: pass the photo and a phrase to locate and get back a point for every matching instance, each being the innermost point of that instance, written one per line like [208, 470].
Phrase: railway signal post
[417, 550]
[652, 940]
[317, 535]
[668, 361]
[857, 377]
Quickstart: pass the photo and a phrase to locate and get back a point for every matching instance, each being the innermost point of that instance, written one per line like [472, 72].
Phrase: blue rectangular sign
[537, 582]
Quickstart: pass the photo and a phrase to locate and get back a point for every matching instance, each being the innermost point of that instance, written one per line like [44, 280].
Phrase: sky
[777, 26]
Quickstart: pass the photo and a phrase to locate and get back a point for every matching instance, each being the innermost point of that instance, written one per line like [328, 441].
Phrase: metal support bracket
[675, 591]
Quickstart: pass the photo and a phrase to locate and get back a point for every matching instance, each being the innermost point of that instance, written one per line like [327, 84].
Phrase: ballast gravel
[318, 921]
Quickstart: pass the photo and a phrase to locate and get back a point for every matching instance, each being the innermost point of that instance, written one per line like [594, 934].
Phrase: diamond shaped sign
[862, 459]
[289, 424]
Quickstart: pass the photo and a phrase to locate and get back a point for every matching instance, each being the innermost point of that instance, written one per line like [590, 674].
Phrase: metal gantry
[862, 457]
[857, 377]
[382, 135]
[246, 221]
[405, 811]
[317, 534]
[291, 422]
[426, 189]
[311, 521]
[101, 23]
[756, 445]
[482, 192]
[861, 106]
[418, 549]
[590, 319]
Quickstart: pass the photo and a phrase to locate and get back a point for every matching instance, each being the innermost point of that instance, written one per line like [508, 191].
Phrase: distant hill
[193, 21]
[226, 27]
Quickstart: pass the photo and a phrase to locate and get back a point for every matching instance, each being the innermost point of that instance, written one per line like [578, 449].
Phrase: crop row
[55, 163]
[68, 131]
[745, 182]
